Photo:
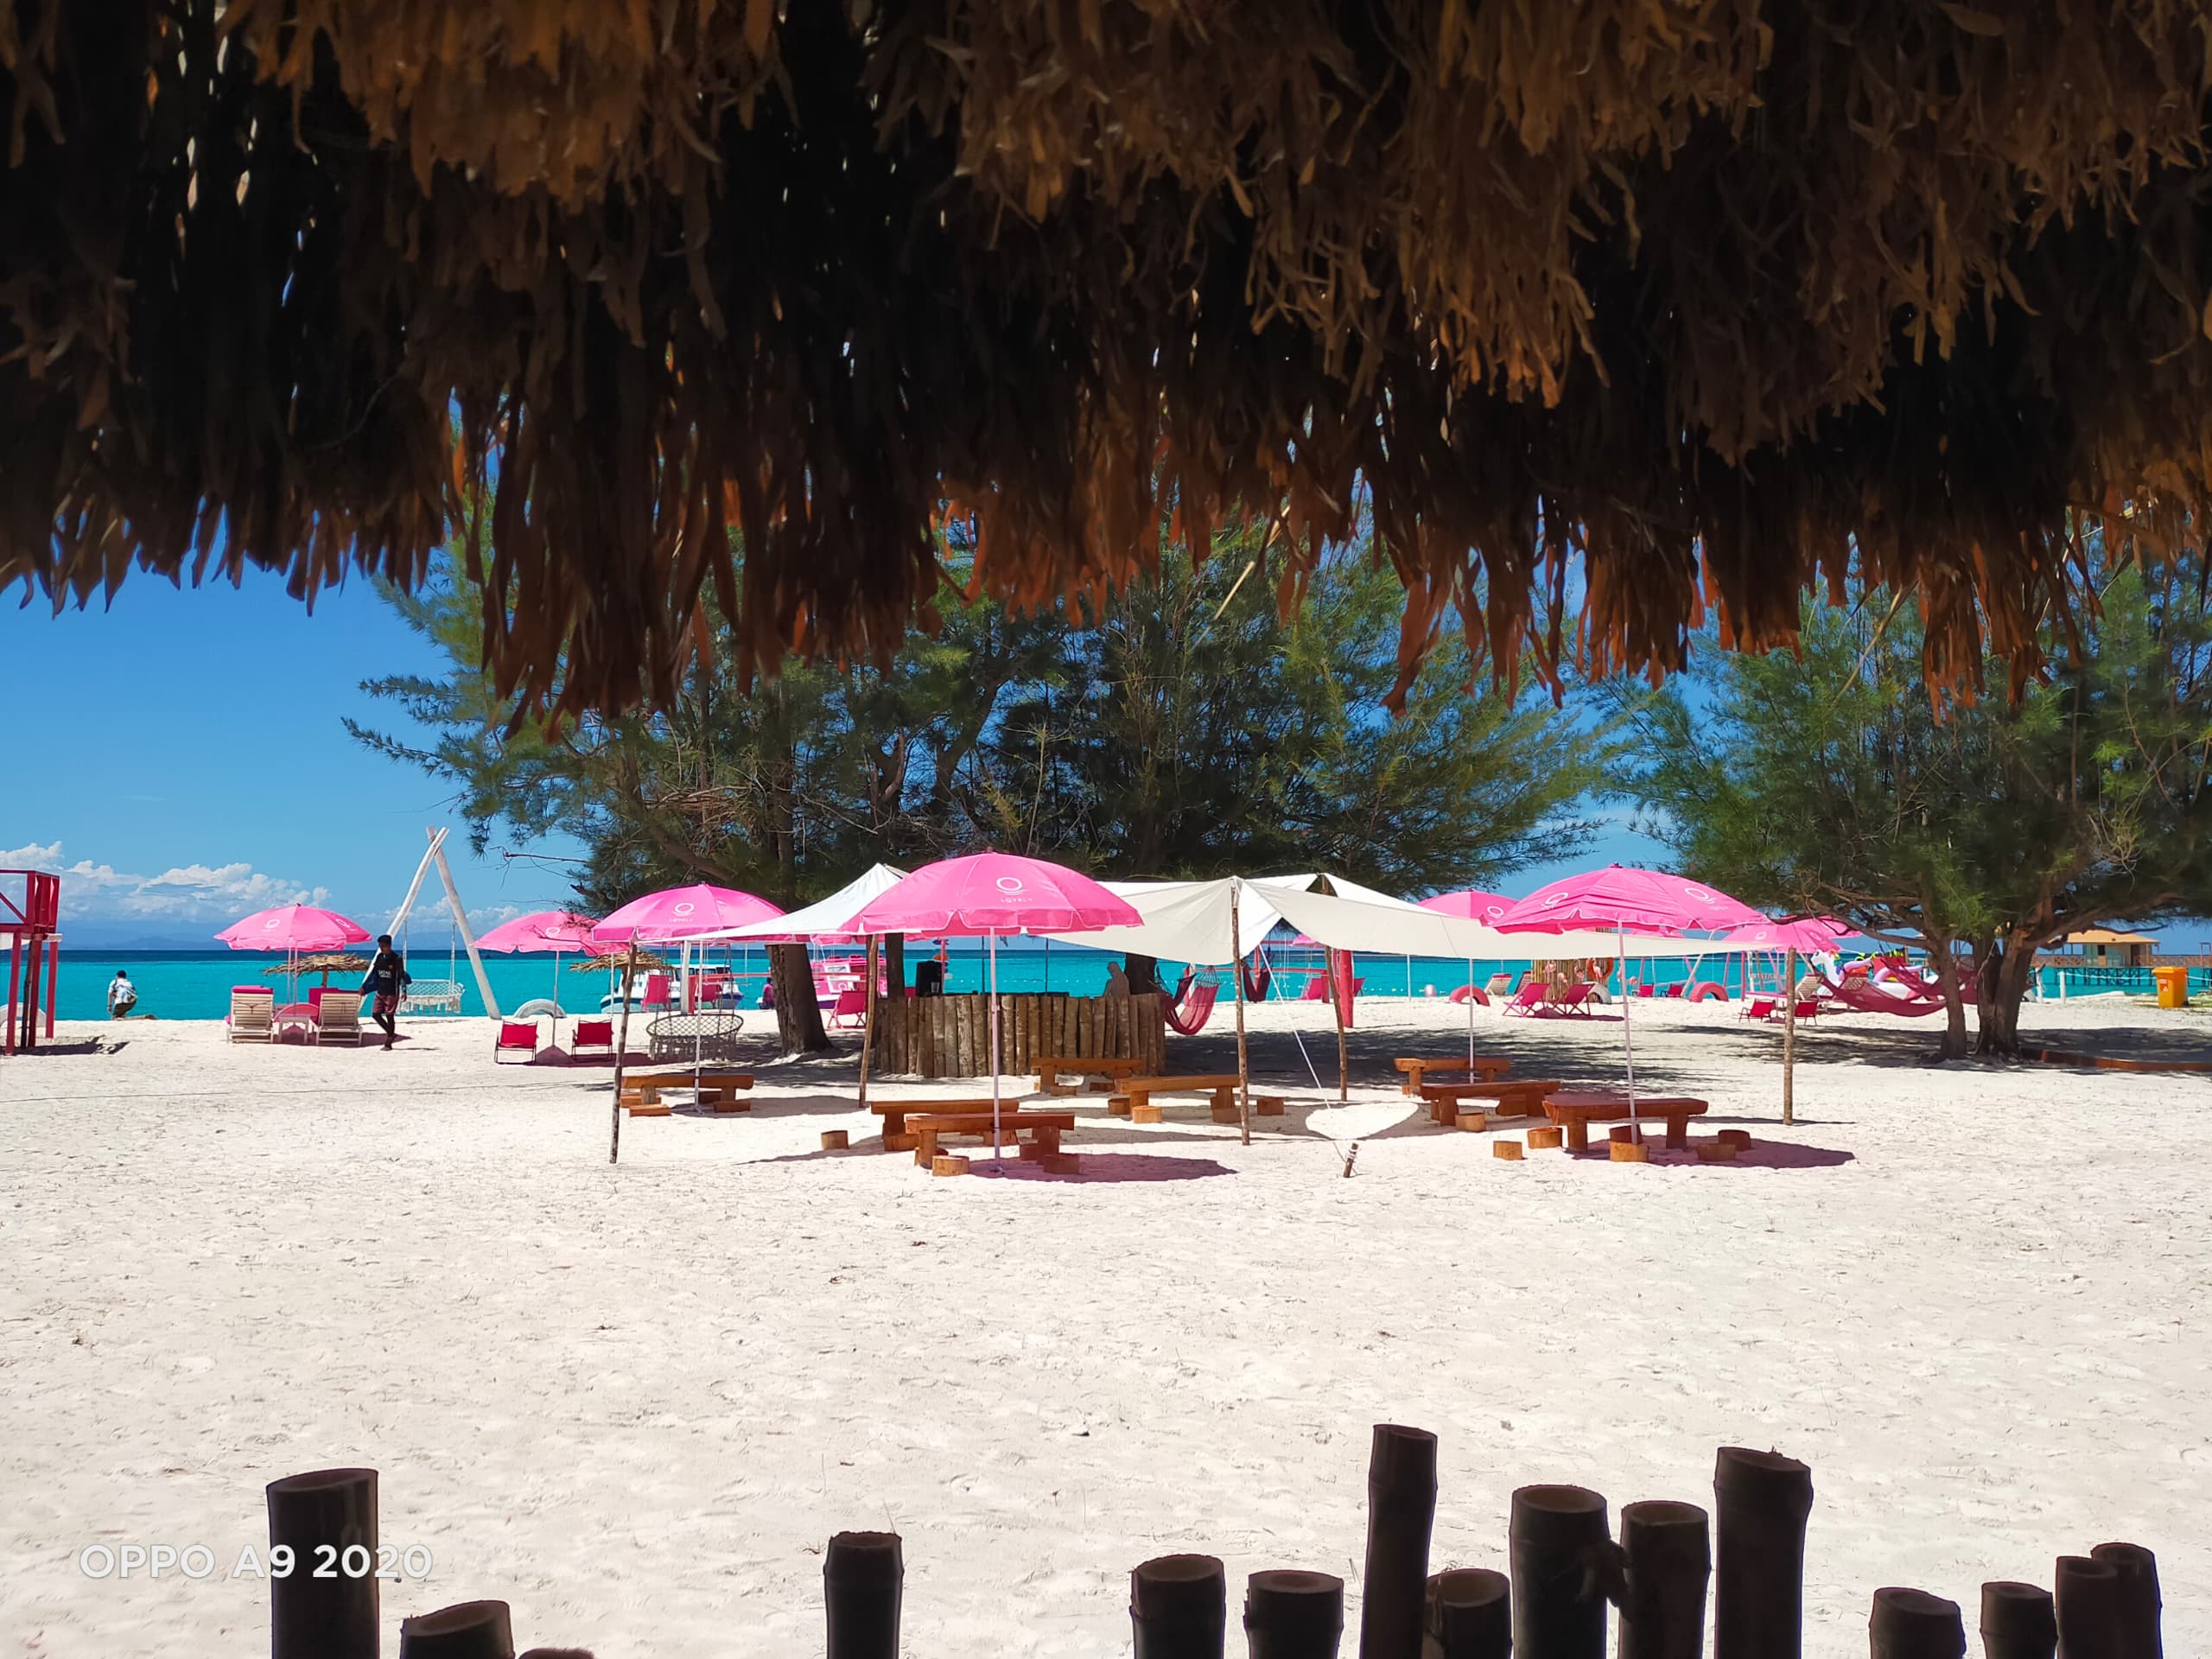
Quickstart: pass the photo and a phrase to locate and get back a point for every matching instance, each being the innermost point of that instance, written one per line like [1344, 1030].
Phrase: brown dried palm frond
[1627, 309]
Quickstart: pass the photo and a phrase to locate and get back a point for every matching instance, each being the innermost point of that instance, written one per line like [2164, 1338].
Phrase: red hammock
[1189, 1012]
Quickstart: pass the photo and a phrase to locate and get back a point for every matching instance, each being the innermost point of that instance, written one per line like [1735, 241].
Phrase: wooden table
[1134, 1096]
[1034, 1135]
[896, 1135]
[1512, 1097]
[714, 1086]
[1483, 1068]
[1049, 1067]
[1575, 1110]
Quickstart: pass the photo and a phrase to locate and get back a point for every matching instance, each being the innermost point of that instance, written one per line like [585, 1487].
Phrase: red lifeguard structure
[31, 917]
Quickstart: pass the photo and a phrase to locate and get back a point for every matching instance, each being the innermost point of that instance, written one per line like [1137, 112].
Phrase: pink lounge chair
[1190, 1012]
[516, 1037]
[1529, 1000]
[1574, 1001]
[1317, 988]
[1644, 990]
[597, 1035]
[1472, 994]
[851, 1006]
[657, 993]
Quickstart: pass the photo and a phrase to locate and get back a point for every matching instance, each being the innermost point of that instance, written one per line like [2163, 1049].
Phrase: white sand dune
[635, 1401]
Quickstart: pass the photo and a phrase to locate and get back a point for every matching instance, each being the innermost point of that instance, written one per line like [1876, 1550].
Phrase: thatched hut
[1658, 306]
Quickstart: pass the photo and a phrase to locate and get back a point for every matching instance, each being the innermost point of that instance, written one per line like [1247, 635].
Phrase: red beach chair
[596, 1035]
[516, 1037]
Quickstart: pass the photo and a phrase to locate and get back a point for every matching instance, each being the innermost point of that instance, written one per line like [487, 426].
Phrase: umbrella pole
[1244, 1064]
[868, 1032]
[1789, 1037]
[621, 1051]
[991, 949]
[1628, 1038]
[1471, 1016]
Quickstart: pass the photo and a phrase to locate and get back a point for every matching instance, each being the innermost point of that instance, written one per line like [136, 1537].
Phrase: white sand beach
[635, 1401]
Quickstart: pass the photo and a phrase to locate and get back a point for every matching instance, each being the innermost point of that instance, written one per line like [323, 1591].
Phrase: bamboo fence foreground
[1568, 1576]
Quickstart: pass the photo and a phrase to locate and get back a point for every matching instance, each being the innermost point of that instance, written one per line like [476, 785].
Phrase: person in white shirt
[122, 996]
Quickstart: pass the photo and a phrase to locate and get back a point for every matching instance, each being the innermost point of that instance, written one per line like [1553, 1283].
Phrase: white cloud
[188, 892]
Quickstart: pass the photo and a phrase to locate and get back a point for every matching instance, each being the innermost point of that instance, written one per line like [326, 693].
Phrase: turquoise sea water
[196, 985]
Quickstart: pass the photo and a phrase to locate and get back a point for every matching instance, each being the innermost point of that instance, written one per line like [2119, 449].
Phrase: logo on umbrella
[1009, 884]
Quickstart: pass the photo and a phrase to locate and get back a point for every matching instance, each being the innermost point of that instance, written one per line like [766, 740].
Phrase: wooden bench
[1574, 1111]
[1133, 1100]
[1035, 1135]
[1049, 1067]
[715, 1086]
[1483, 1068]
[1508, 1097]
[896, 1135]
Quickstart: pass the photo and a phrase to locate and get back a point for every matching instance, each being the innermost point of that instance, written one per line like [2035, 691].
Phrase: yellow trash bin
[2173, 987]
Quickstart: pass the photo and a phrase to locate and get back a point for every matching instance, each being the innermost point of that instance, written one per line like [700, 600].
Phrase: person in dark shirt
[387, 979]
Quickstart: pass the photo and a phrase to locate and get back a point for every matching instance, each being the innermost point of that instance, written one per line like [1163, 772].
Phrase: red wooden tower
[30, 915]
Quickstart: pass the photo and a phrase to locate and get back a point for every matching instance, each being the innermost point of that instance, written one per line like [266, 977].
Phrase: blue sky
[191, 765]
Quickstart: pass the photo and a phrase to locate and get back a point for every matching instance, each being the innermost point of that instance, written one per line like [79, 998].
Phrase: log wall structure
[950, 1036]
[1674, 1572]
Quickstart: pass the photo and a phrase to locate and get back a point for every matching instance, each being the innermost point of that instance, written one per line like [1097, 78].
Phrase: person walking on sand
[387, 978]
[122, 996]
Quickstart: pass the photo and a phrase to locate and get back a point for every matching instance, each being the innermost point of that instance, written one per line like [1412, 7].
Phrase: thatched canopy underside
[1644, 304]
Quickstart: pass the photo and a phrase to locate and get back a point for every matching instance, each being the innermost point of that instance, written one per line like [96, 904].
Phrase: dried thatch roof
[1694, 293]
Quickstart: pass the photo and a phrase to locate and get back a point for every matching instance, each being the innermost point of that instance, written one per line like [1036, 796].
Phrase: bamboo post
[622, 1054]
[1913, 1624]
[1789, 1037]
[312, 1617]
[867, 1020]
[1470, 1615]
[1339, 985]
[1243, 1058]
[2017, 1621]
[2085, 1594]
[1761, 1503]
[1559, 1605]
[1666, 1560]
[1401, 1512]
[1294, 1615]
[468, 1629]
[863, 1582]
[2139, 1600]
[1178, 1607]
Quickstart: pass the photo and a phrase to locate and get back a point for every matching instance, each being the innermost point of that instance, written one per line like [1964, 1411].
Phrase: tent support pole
[1243, 1062]
[1339, 963]
[621, 1051]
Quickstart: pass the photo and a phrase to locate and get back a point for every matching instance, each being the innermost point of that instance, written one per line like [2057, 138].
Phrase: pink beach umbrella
[1473, 903]
[556, 931]
[986, 894]
[1621, 897]
[1806, 936]
[292, 929]
[677, 913]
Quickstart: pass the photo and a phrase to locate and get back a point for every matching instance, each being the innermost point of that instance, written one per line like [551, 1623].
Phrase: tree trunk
[798, 1017]
[1142, 973]
[1955, 1001]
[2000, 986]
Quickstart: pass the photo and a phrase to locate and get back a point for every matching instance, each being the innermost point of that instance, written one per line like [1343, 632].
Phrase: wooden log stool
[1540, 1138]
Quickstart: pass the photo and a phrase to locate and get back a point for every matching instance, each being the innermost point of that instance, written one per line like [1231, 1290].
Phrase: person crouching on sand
[387, 978]
[122, 996]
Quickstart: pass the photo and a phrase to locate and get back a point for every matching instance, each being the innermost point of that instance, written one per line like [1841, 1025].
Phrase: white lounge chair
[338, 1018]
[252, 1015]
